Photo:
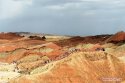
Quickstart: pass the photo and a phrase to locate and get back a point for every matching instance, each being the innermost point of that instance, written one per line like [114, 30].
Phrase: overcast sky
[67, 17]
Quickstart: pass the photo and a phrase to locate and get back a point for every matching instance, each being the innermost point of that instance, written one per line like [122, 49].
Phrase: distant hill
[118, 37]
[10, 35]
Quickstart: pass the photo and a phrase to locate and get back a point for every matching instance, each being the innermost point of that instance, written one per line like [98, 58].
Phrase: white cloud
[81, 4]
[89, 13]
[11, 8]
[112, 2]
[65, 6]
[55, 7]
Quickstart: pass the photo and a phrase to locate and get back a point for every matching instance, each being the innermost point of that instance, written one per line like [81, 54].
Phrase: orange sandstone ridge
[57, 59]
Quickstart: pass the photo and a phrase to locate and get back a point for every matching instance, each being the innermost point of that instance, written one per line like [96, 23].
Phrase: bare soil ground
[62, 59]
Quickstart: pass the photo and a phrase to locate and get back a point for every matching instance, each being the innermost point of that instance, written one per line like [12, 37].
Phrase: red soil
[120, 36]
[9, 36]
[89, 39]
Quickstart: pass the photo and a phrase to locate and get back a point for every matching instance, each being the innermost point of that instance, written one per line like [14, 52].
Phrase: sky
[64, 17]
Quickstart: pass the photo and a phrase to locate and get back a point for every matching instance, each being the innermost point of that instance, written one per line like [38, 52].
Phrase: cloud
[56, 7]
[72, 17]
[11, 8]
